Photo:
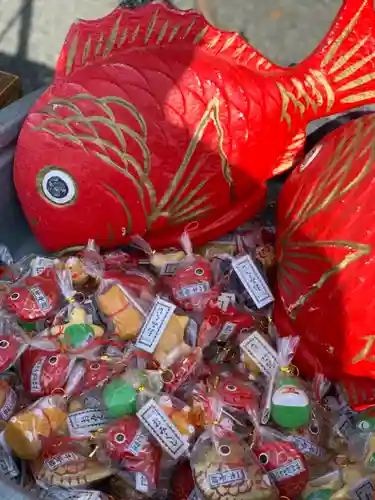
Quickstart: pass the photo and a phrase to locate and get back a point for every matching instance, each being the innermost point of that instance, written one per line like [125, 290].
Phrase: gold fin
[295, 147]
[71, 54]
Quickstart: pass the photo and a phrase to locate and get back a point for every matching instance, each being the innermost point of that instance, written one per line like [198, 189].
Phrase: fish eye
[314, 429]
[231, 388]
[224, 450]
[52, 360]
[263, 458]
[363, 425]
[15, 296]
[94, 366]
[199, 271]
[120, 438]
[57, 186]
[4, 344]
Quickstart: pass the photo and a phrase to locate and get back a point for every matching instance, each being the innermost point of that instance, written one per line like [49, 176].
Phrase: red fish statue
[326, 258]
[156, 120]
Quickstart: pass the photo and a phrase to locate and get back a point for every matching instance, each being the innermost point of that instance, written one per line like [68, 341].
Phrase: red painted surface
[326, 258]
[156, 119]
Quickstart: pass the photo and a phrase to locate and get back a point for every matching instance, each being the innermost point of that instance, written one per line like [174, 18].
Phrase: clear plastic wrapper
[35, 298]
[284, 462]
[9, 401]
[27, 432]
[288, 402]
[258, 354]
[192, 285]
[13, 341]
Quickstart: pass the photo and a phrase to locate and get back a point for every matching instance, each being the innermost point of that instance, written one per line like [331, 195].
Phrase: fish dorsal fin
[155, 24]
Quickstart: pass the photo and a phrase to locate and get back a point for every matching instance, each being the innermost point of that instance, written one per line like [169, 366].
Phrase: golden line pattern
[173, 32]
[71, 54]
[200, 35]
[109, 44]
[292, 151]
[333, 183]
[151, 26]
[180, 201]
[86, 51]
[364, 353]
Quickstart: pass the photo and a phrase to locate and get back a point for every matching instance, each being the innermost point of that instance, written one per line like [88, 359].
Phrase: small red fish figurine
[44, 372]
[286, 465]
[326, 257]
[87, 375]
[11, 347]
[157, 119]
[129, 445]
[36, 298]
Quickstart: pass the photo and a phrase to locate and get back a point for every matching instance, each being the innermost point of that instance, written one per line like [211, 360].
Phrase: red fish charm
[286, 465]
[43, 372]
[36, 298]
[237, 393]
[157, 119]
[128, 444]
[326, 256]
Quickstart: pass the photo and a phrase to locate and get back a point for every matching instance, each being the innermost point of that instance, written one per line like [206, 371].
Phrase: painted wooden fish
[157, 119]
[326, 258]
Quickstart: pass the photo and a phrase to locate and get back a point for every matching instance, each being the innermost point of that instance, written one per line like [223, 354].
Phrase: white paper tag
[40, 264]
[36, 373]
[290, 469]
[138, 443]
[230, 476]
[253, 281]
[169, 268]
[40, 298]
[6, 411]
[70, 494]
[364, 490]
[344, 427]
[226, 331]
[8, 466]
[84, 422]
[306, 446]
[59, 460]
[260, 351]
[155, 324]
[194, 495]
[141, 482]
[162, 429]
[189, 291]
[225, 300]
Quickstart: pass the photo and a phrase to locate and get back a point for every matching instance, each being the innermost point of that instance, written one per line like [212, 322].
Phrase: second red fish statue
[156, 119]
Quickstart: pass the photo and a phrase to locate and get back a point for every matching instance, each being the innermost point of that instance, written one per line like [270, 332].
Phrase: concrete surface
[32, 31]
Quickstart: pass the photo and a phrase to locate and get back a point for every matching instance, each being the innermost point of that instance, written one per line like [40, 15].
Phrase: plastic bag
[258, 353]
[288, 402]
[28, 431]
[13, 341]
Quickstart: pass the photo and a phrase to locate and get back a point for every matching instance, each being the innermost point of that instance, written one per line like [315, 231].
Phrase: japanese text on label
[155, 324]
[6, 411]
[253, 281]
[364, 490]
[59, 460]
[86, 421]
[169, 269]
[40, 298]
[138, 443]
[260, 351]
[226, 331]
[189, 291]
[36, 373]
[163, 430]
[141, 483]
[40, 264]
[290, 469]
[306, 446]
[230, 476]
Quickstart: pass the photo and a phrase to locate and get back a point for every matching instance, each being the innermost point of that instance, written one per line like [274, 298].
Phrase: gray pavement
[32, 31]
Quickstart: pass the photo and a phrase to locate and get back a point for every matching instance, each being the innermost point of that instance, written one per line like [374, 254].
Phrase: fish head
[125, 440]
[237, 393]
[71, 184]
[96, 372]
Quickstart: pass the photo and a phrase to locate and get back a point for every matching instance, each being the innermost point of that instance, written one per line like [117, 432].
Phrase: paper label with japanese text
[84, 422]
[364, 490]
[261, 353]
[225, 300]
[155, 324]
[226, 331]
[70, 494]
[40, 264]
[138, 443]
[40, 298]
[59, 460]
[141, 482]
[230, 476]
[162, 429]
[169, 268]
[6, 411]
[253, 281]
[306, 446]
[344, 427]
[290, 469]
[8, 466]
[36, 374]
[189, 291]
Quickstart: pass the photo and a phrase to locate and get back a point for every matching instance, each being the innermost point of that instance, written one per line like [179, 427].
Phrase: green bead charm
[120, 399]
[79, 335]
[290, 405]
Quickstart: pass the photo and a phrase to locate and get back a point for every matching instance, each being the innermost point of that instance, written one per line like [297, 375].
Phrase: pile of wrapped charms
[141, 374]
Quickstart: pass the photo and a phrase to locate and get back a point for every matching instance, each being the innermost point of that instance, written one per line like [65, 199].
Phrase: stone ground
[32, 31]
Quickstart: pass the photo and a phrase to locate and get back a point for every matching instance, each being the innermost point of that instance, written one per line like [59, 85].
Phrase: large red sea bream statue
[326, 258]
[156, 119]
